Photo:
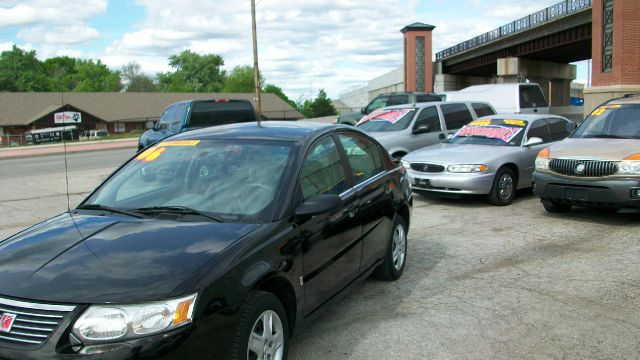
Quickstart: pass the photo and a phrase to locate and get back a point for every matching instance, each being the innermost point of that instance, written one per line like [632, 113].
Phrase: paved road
[12, 168]
[481, 282]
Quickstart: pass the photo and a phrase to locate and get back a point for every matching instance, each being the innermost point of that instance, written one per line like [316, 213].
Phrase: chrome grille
[429, 168]
[592, 168]
[34, 322]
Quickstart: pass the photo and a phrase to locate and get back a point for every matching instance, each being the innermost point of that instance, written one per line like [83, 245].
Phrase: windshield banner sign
[503, 133]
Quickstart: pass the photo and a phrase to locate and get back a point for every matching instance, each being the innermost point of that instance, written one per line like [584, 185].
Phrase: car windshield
[611, 121]
[498, 132]
[387, 120]
[227, 180]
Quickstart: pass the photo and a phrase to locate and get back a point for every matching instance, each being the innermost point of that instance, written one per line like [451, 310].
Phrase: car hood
[98, 259]
[597, 149]
[459, 153]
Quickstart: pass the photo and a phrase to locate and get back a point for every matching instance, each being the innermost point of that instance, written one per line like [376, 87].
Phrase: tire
[555, 207]
[252, 339]
[504, 187]
[395, 256]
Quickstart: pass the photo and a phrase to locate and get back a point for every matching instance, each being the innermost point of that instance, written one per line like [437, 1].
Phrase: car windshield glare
[387, 120]
[613, 121]
[498, 132]
[230, 180]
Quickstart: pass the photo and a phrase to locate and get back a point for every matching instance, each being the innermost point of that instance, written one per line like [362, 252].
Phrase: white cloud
[31, 12]
[59, 35]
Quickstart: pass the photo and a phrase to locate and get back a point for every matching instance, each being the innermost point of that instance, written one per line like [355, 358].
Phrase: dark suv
[194, 114]
[389, 99]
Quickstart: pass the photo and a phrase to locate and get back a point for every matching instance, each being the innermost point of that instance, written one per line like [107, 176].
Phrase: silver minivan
[404, 128]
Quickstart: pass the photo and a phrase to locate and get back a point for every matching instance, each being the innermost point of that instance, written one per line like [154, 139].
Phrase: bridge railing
[538, 18]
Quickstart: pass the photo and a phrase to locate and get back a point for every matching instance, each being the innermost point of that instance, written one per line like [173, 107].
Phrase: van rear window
[204, 114]
[531, 96]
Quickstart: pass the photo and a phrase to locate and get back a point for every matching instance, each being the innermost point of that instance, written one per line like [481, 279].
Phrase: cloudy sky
[304, 45]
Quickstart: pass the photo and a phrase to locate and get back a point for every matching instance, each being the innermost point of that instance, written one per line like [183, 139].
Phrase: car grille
[34, 322]
[429, 168]
[592, 168]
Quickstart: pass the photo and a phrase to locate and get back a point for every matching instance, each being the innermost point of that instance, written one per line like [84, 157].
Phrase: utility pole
[256, 71]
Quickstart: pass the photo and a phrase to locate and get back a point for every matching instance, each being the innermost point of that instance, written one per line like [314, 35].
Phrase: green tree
[62, 73]
[193, 73]
[240, 80]
[270, 88]
[95, 77]
[322, 105]
[136, 80]
[21, 71]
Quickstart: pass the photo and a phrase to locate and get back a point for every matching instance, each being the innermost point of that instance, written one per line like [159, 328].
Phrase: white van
[505, 98]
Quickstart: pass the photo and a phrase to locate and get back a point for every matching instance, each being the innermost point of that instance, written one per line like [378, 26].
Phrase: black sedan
[215, 243]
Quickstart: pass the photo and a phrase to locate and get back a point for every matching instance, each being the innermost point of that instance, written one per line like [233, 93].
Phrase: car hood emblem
[6, 322]
[579, 168]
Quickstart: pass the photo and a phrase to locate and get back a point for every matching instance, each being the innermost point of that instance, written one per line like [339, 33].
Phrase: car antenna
[256, 71]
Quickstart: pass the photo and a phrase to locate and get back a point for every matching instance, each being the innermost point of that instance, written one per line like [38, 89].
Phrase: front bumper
[612, 192]
[452, 183]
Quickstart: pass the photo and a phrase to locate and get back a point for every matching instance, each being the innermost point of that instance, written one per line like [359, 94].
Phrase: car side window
[322, 171]
[176, 118]
[558, 128]
[398, 100]
[363, 156]
[539, 129]
[456, 115]
[482, 109]
[429, 116]
[166, 118]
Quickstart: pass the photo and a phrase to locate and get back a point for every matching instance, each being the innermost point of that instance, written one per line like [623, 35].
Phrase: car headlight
[117, 322]
[467, 168]
[629, 167]
[542, 160]
[405, 164]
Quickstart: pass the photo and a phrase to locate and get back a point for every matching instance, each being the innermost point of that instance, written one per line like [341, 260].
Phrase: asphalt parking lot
[481, 282]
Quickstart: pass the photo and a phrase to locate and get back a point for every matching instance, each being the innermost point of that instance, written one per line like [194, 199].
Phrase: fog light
[635, 193]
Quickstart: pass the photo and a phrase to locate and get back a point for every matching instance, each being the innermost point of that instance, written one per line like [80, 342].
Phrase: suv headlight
[542, 161]
[405, 164]
[118, 322]
[467, 168]
[629, 167]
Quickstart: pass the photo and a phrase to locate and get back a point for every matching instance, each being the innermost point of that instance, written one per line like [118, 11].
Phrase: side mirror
[571, 126]
[321, 204]
[533, 141]
[422, 129]
[149, 125]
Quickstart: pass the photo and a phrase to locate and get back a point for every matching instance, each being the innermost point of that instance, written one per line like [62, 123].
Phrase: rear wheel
[263, 330]
[555, 207]
[504, 187]
[396, 254]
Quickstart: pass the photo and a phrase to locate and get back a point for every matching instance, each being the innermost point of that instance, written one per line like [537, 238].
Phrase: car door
[373, 185]
[428, 116]
[537, 128]
[331, 246]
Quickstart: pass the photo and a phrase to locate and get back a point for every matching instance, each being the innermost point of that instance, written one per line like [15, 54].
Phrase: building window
[607, 35]
[118, 127]
[420, 63]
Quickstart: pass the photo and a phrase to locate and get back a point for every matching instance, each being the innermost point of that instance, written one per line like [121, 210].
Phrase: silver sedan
[493, 155]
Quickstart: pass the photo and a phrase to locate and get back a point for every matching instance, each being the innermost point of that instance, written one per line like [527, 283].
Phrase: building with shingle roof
[115, 112]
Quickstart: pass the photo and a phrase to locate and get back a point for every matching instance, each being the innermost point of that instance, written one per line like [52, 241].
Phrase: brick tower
[418, 69]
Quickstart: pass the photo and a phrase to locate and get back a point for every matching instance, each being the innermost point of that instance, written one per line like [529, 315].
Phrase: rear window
[456, 115]
[428, 98]
[482, 109]
[211, 113]
[531, 96]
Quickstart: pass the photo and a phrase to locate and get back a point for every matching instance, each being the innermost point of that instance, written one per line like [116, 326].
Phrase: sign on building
[67, 117]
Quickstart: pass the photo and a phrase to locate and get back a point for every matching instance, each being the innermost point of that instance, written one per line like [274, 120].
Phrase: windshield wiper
[176, 209]
[108, 208]
[608, 136]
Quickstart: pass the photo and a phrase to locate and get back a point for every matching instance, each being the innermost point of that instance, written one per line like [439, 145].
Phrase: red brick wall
[626, 44]
[410, 60]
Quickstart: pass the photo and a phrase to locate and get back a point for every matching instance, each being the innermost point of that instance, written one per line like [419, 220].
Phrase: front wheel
[504, 187]
[396, 253]
[263, 329]
[555, 207]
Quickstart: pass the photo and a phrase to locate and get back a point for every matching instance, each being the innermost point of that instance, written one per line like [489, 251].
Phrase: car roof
[627, 99]
[526, 117]
[485, 87]
[267, 130]
[431, 103]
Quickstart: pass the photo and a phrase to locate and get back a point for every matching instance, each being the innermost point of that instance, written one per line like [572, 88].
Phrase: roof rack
[630, 95]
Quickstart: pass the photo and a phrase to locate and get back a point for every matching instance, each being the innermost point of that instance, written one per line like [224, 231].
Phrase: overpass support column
[554, 78]
[615, 51]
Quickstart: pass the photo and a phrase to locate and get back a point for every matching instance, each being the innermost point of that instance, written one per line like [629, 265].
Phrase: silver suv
[598, 165]
[404, 128]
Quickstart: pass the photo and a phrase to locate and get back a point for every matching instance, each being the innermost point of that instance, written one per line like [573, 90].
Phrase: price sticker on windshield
[179, 143]
[599, 111]
[151, 154]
